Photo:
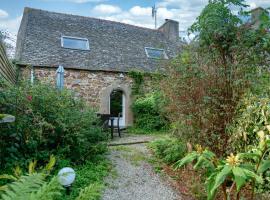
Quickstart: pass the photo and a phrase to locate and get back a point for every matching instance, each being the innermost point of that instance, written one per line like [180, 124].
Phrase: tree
[206, 82]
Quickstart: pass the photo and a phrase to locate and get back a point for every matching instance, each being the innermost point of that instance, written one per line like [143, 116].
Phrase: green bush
[48, 121]
[87, 174]
[169, 150]
[252, 114]
[148, 112]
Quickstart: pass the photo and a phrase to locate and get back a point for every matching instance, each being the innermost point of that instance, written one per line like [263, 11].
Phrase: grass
[121, 148]
[91, 173]
[139, 131]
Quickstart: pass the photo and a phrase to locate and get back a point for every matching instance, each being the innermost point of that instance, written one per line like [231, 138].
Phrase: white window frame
[148, 56]
[75, 38]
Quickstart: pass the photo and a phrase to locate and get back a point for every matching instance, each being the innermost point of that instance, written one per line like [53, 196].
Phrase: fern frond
[50, 164]
[17, 171]
[48, 191]
[23, 187]
[32, 167]
[9, 177]
[92, 192]
[3, 188]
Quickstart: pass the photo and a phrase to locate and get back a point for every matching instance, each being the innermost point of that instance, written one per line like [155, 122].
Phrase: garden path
[132, 177]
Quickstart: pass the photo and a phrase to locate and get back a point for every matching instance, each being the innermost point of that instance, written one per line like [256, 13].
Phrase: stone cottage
[96, 54]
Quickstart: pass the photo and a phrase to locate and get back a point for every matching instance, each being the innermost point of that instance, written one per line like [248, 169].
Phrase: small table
[106, 118]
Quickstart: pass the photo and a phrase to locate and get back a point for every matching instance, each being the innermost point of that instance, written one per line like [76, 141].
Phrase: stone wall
[93, 86]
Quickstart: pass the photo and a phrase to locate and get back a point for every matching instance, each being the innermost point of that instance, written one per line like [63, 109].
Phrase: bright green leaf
[187, 159]
[239, 177]
[221, 176]
[265, 165]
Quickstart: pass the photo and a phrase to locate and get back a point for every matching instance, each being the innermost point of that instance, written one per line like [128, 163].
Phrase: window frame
[152, 48]
[75, 38]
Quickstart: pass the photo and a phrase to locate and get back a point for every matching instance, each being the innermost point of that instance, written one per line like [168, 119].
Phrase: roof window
[155, 53]
[74, 43]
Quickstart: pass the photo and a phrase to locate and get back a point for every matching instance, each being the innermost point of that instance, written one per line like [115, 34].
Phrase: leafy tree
[207, 80]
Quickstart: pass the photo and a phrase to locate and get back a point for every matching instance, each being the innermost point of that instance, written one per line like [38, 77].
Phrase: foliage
[207, 80]
[138, 78]
[253, 115]
[241, 169]
[33, 185]
[92, 172]
[92, 192]
[48, 121]
[169, 150]
[38, 185]
[147, 112]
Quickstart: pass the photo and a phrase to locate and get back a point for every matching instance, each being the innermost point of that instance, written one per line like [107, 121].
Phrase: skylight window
[74, 43]
[155, 53]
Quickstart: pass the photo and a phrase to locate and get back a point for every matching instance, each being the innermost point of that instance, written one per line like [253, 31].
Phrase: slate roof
[114, 46]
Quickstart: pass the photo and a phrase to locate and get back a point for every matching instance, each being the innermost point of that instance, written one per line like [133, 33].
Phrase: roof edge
[29, 9]
[21, 33]
[76, 68]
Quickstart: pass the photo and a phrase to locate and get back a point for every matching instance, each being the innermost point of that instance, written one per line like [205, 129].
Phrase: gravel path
[133, 178]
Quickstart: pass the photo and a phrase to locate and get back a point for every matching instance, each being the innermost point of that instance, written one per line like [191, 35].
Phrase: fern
[92, 192]
[32, 187]
[50, 164]
[23, 187]
[48, 191]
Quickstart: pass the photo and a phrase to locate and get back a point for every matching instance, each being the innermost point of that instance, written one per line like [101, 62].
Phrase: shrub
[148, 112]
[206, 82]
[48, 121]
[234, 173]
[253, 115]
[169, 150]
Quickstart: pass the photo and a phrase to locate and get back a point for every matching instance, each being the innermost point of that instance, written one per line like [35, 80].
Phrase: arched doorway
[117, 106]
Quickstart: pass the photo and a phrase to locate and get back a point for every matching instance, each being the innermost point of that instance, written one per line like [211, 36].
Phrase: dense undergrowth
[49, 122]
[217, 99]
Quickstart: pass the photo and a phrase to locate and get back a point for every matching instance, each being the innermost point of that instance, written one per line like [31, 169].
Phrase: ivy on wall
[139, 78]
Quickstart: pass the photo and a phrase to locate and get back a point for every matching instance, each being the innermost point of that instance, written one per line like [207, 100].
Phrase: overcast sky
[137, 12]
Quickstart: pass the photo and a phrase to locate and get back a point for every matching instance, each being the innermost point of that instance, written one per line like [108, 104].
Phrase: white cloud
[3, 14]
[184, 11]
[11, 25]
[106, 9]
[257, 3]
[140, 11]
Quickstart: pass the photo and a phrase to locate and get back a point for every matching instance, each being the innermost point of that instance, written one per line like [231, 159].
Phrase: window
[155, 53]
[74, 43]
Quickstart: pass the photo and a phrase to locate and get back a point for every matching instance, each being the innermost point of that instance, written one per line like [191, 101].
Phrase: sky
[136, 12]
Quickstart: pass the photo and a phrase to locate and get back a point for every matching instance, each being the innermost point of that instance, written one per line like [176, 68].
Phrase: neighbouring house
[95, 54]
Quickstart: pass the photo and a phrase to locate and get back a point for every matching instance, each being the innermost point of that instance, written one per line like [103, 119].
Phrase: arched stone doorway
[105, 97]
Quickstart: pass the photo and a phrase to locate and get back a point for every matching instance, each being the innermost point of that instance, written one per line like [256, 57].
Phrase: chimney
[255, 16]
[170, 29]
